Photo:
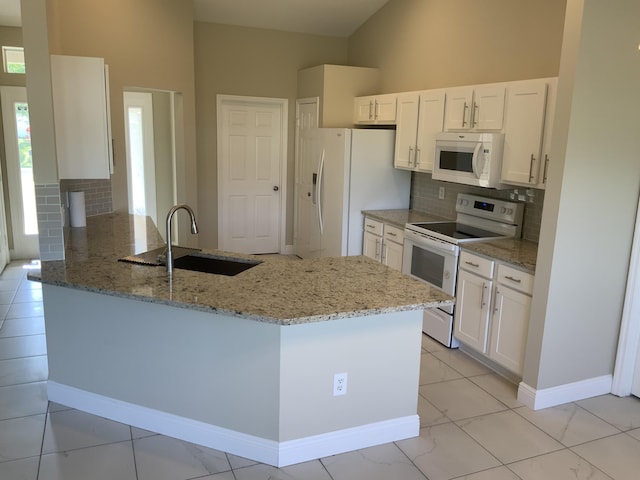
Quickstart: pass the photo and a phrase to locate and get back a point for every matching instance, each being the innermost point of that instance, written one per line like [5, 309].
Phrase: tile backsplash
[97, 194]
[425, 191]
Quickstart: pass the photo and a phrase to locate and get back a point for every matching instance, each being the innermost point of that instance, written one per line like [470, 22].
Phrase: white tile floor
[472, 427]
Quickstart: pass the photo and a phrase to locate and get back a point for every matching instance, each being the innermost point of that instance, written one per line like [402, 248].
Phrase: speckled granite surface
[399, 218]
[520, 253]
[279, 290]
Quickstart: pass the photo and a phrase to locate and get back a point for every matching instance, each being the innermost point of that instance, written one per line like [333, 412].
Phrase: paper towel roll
[77, 214]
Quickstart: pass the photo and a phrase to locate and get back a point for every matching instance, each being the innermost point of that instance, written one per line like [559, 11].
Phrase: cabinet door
[392, 255]
[406, 128]
[488, 108]
[523, 132]
[430, 123]
[372, 246]
[364, 108]
[385, 108]
[472, 310]
[510, 324]
[458, 109]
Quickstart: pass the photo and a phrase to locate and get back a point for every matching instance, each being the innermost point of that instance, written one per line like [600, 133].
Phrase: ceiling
[336, 18]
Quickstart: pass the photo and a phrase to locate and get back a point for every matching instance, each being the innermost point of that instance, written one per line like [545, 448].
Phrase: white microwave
[469, 158]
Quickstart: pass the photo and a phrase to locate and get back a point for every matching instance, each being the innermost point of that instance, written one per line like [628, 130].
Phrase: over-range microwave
[469, 158]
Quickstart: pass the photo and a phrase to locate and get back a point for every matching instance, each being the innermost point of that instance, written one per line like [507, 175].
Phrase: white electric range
[431, 250]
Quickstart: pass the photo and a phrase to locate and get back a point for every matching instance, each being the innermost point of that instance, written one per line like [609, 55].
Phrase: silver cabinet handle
[516, 280]
[370, 109]
[474, 119]
[391, 234]
[416, 160]
[376, 111]
[370, 226]
[546, 164]
[495, 302]
[464, 113]
[410, 155]
[482, 301]
[474, 265]
[533, 159]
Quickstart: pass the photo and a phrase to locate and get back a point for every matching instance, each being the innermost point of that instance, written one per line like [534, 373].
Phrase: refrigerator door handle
[319, 191]
[314, 188]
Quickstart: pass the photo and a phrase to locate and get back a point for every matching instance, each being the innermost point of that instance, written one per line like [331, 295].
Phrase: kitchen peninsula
[244, 364]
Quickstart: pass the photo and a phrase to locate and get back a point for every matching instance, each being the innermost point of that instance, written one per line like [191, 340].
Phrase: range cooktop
[455, 230]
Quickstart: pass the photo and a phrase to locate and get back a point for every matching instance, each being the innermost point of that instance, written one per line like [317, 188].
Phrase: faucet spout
[194, 230]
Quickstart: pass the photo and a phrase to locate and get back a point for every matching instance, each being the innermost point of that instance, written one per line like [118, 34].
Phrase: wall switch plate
[441, 193]
[339, 384]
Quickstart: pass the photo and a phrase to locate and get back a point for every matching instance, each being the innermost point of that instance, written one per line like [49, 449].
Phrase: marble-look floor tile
[23, 400]
[25, 469]
[56, 407]
[22, 327]
[623, 413]
[21, 437]
[635, 433]
[499, 473]
[218, 476]
[73, 429]
[104, 462]
[462, 363]
[382, 462]
[499, 388]
[16, 347]
[23, 370]
[141, 433]
[6, 298]
[459, 399]
[239, 462]
[303, 471]
[433, 370]
[9, 284]
[25, 295]
[429, 415]
[508, 436]
[164, 458]
[617, 456]
[560, 465]
[444, 451]
[431, 345]
[570, 424]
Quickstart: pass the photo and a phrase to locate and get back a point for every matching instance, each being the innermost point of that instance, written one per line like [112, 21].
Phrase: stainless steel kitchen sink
[202, 262]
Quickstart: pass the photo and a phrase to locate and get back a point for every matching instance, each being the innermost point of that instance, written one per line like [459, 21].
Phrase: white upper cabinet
[475, 108]
[81, 116]
[419, 118]
[528, 123]
[376, 109]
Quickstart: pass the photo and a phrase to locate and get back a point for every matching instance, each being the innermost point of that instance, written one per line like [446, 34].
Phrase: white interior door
[141, 169]
[251, 159]
[306, 120]
[22, 198]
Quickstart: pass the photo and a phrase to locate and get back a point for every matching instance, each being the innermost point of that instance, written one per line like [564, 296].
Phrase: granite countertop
[518, 252]
[401, 217]
[280, 290]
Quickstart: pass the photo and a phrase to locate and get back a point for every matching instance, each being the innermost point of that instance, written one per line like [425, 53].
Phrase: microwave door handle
[476, 160]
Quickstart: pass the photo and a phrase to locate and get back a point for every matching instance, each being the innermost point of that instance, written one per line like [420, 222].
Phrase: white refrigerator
[341, 172]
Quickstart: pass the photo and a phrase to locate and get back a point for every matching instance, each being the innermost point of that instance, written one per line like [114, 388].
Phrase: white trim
[271, 452]
[570, 392]
[627, 354]
[283, 103]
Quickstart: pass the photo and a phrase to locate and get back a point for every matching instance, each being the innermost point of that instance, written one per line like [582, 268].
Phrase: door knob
[276, 188]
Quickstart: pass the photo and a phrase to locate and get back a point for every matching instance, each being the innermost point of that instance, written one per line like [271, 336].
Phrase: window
[13, 59]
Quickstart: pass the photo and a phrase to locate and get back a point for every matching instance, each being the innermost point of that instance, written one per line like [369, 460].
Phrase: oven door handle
[424, 241]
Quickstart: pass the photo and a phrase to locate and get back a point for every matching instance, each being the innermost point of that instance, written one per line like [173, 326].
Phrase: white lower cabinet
[383, 242]
[492, 309]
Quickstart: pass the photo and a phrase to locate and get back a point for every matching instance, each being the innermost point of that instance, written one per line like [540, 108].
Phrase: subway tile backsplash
[50, 234]
[97, 194]
[425, 191]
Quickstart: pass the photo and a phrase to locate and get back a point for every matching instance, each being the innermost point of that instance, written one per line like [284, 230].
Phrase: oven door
[434, 262]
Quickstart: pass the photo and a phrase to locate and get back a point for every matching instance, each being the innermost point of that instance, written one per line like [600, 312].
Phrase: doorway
[22, 197]
[252, 156]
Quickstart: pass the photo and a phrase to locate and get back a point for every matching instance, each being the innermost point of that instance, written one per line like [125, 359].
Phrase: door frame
[283, 105]
[628, 342]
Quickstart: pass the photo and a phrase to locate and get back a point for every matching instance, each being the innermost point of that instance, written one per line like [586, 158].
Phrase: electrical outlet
[339, 384]
[441, 193]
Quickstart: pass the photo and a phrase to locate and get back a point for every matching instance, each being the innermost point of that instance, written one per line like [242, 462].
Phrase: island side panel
[379, 353]
[220, 370]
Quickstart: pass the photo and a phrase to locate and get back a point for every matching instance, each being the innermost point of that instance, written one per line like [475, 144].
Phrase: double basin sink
[194, 260]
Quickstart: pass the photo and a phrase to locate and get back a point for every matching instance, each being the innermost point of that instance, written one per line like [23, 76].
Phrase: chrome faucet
[194, 230]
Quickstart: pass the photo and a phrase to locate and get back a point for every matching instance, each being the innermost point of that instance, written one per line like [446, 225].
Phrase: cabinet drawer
[474, 263]
[393, 234]
[516, 279]
[373, 226]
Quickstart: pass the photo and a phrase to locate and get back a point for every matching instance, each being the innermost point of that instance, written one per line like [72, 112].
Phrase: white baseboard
[271, 452]
[570, 392]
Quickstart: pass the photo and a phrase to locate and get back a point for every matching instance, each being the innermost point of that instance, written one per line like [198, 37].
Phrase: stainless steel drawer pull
[474, 265]
[517, 280]
[391, 234]
[370, 226]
